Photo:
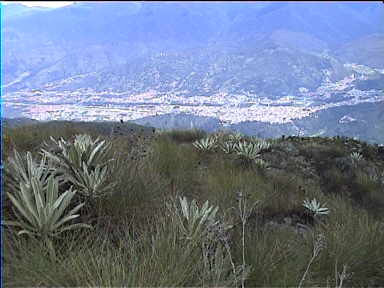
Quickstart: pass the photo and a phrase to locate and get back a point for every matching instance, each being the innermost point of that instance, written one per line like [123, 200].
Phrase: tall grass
[137, 241]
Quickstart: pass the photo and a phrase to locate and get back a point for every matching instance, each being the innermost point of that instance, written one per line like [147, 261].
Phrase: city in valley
[88, 105]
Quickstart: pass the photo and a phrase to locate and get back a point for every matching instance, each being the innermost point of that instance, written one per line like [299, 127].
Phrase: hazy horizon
[286, 65]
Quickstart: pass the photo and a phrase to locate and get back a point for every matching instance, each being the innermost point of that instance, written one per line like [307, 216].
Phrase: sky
[51, 4]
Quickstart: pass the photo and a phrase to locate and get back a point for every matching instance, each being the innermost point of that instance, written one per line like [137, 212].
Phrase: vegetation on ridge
[172, 215]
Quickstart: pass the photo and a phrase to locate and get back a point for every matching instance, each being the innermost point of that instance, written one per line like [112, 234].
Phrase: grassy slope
[133, 243]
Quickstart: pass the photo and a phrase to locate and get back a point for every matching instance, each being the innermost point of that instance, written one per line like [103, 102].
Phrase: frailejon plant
[235, 137]
[83, 149]
[228, 147]
[319, 243]
[206, 144]
[84, 163]
[22, 170]
[263, 145]
[201, 227]
[356, 157]
[315, 207]
[92, 183]
[219, 135]
[248, 151]
[261, 163]
[41, 212]
[194, 221]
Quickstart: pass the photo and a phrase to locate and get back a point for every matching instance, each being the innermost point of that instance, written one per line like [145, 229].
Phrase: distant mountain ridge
[367, 50]
[189, 48]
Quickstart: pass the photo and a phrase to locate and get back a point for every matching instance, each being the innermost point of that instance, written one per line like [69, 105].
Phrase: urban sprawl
[88, 105]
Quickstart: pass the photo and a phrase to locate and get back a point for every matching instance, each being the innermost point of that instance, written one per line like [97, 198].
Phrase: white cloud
[51, 4]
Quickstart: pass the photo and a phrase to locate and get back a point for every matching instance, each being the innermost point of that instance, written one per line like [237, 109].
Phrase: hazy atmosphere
[192, 144]
[242, 65]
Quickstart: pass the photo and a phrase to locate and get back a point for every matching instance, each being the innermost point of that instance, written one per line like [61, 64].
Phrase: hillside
[264, 232]
[367, 50]
[363, 121]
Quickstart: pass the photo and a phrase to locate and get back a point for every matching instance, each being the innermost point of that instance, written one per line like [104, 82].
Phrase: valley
[90, 105]
[208, 66]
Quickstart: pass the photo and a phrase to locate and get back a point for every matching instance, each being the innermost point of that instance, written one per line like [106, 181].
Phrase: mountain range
[258, 50]
[262, 48]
